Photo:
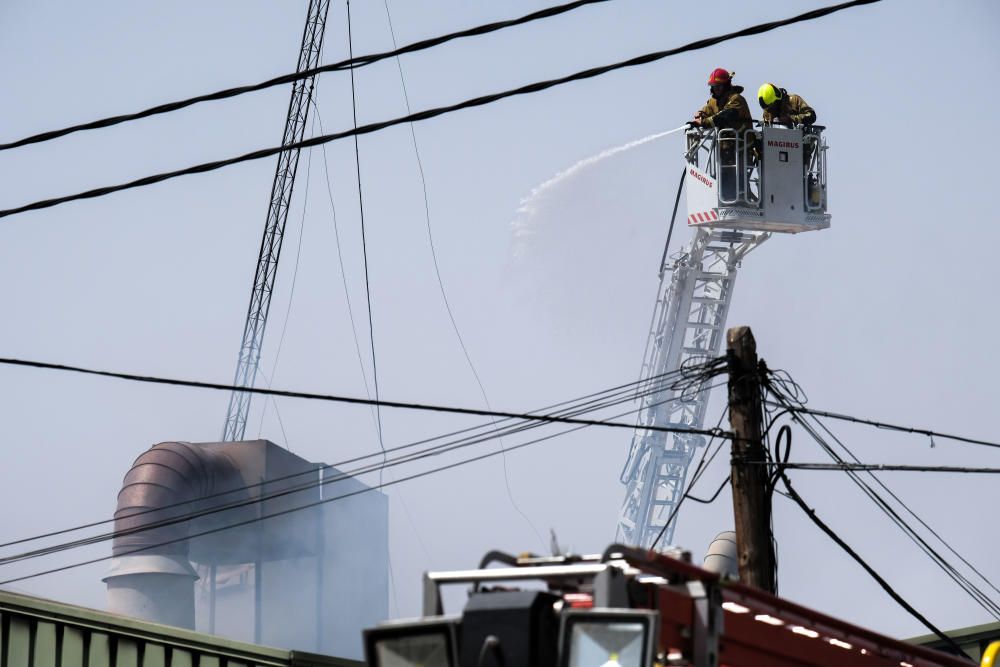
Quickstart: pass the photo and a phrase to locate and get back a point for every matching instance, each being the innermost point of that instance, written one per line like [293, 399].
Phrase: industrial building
[240, 540]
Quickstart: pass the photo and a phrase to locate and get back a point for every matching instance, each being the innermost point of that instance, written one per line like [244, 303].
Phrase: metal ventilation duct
[312, 573]
[151, 575]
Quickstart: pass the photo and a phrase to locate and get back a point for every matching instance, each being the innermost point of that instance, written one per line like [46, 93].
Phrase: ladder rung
[703, 325]
[670, 454]
[730, 237]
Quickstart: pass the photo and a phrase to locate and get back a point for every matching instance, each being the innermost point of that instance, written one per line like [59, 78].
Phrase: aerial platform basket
[767, 178]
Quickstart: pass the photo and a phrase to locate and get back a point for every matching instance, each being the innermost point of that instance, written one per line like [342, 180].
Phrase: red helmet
[720, 75]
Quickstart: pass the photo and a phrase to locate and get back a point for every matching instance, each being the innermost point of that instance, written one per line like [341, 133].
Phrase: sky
[887, 315]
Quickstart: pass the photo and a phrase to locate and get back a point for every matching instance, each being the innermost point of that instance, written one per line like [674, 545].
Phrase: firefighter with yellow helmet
[783, 107]
[786, 108]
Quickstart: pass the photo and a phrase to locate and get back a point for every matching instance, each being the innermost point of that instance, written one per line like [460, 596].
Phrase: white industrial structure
[741, 188]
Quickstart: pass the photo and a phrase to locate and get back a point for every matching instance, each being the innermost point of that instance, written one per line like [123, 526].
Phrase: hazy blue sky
[888, 314]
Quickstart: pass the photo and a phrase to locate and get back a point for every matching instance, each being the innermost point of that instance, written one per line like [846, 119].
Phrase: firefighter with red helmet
[726, 108]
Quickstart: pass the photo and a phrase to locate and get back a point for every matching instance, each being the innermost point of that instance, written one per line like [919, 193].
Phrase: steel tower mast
[274, 228]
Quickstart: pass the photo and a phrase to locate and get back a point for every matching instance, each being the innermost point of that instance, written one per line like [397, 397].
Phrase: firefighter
[783, 107]
[727, 109]
[786, 108]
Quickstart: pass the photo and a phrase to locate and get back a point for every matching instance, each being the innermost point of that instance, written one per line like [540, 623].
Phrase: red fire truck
[624, 608]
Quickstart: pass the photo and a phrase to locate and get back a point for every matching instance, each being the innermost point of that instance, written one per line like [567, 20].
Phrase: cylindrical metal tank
[155, 587]
[721, 557]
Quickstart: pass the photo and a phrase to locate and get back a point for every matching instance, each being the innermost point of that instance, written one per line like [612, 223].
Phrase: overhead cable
[431, 113]
[779, 390]
[892, 427]
[886, 467]
[323, 481]
[157, 524]
[868, 568]
[581, 405]
[983, 599]
[351, 63]
[271, 515]
[440, 281]
[811, 513]
[986, 601]
[354, 400]
[364, 245]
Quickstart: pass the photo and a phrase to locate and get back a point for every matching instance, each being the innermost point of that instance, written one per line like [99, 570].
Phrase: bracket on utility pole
[751, 501]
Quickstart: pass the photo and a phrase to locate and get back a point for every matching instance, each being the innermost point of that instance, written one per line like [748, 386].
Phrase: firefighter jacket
[730, 110]
[793, 106]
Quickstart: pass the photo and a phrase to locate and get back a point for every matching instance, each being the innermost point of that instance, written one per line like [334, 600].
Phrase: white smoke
[524, 224]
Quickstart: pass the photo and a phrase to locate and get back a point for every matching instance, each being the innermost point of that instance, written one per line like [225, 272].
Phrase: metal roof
[37, 632]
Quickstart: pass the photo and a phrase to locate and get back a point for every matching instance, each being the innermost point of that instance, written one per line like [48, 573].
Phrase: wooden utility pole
[751, 504]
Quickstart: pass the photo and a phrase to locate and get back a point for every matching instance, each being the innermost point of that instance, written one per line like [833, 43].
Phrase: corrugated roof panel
[43, 633]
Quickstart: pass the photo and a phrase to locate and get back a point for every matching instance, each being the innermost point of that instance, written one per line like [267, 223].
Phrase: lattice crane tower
[274, 228]
[740, 190]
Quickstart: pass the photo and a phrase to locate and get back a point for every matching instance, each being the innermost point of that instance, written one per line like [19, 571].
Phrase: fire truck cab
[624, 608]
[768, 178]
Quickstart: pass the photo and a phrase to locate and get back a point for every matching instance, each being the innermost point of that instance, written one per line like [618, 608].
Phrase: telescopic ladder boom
[741, 188]
[688, 324]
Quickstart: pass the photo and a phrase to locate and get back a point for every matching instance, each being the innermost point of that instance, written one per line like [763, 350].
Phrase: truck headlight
[424, 643]
[607, 638]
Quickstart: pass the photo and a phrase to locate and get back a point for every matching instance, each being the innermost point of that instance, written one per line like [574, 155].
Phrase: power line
[351, 63]
[892, 427]
[343, 270]
[159, 524]
[951, 571]
[779, 381]
[776, 387]
[713, 497]
[432, 113]
[288, 511]
[435, 450]
[580, 405]
[590, 403]
[151, 379]
[311, 484]
[793, 494]
[885, 467]
[440, 281]
[364, 242]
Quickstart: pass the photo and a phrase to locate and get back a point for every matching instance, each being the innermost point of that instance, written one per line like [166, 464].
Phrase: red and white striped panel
[703, 216]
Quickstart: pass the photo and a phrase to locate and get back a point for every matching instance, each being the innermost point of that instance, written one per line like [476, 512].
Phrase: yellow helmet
[768, 94]
[991, 654]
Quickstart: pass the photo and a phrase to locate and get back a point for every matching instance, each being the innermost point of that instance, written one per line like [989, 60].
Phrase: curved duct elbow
[151, 576]
[721, 557]
[163, 485]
